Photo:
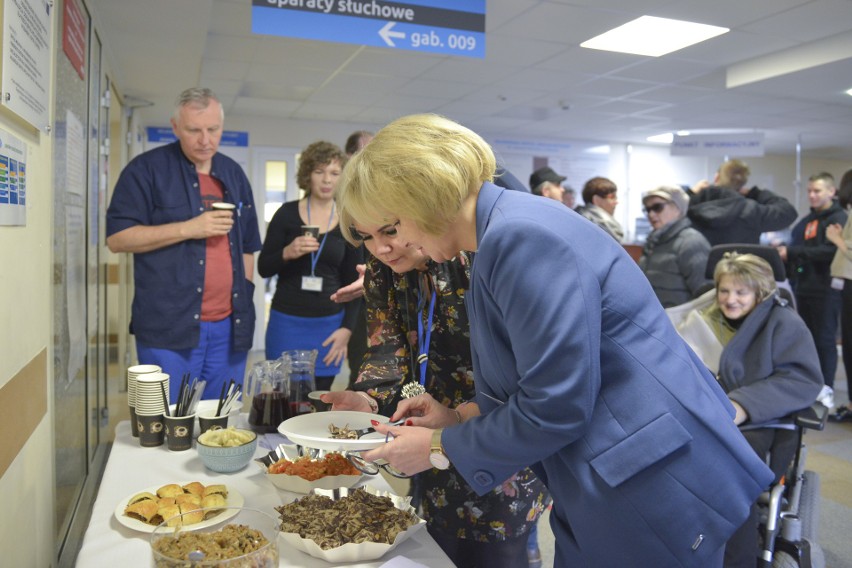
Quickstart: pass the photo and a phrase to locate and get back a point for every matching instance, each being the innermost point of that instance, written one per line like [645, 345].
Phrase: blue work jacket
[580, 374]
[161, 186]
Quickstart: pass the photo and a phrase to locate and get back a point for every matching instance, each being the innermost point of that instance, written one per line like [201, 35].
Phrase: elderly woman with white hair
[675, 254]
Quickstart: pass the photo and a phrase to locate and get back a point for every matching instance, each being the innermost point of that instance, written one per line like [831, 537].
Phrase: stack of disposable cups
[132, 374]
[152, 393]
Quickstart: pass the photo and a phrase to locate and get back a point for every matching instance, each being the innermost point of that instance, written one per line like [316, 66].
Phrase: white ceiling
[535, 81]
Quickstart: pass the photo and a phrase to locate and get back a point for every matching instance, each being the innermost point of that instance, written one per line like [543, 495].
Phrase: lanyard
[423, 341]
[315, 255]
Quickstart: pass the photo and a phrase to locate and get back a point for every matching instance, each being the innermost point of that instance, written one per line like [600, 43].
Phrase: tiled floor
[830, 455]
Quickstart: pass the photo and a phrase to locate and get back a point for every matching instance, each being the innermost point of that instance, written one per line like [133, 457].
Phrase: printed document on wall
[13, 180]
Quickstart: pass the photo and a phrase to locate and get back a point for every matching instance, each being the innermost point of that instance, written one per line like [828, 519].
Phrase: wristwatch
[437, 457]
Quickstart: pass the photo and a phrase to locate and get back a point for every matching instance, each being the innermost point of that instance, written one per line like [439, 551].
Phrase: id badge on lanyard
[313, 283]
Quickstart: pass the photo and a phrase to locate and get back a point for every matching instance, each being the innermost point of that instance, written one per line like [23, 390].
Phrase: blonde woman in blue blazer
[578, 371]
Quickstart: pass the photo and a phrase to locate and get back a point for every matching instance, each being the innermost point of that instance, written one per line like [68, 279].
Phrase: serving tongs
[372, 468]
[370, 430]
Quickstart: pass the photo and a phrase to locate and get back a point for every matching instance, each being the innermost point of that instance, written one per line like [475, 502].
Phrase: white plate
[311, 430]
[234, 499]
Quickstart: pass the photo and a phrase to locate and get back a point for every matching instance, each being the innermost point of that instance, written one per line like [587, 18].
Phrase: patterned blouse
[393, 305]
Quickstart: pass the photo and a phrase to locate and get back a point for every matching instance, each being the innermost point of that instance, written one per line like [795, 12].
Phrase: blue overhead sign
[454, 27]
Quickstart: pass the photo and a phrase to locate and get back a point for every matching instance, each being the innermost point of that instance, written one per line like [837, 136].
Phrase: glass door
[273, 183]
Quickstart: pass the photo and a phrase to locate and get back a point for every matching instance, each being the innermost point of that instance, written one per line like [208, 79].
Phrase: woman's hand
[346, 400]
[339, 340]
[352, 291]
[423, 410]
[302, 245]
[407, 451]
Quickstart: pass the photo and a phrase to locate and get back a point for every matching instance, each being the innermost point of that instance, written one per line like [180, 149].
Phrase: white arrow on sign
[386, 34]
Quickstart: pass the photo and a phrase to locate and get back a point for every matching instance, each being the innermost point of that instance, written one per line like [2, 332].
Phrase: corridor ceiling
[793, 59]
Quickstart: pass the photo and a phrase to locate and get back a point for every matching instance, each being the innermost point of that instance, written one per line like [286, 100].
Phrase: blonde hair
[748, 269]
[421, 167]
[734, 174]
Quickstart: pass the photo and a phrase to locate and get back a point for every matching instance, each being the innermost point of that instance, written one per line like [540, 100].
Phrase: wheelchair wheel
[784, 560]
[809, 505]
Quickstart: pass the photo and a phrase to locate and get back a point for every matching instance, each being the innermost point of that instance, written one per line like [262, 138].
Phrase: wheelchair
[789, 511]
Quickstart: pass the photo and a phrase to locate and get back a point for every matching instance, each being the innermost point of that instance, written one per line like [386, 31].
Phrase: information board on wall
[13, 180]
[26, 60]
[738, 144]
[452, 27]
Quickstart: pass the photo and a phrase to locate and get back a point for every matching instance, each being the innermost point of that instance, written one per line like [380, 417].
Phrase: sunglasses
[655, 208]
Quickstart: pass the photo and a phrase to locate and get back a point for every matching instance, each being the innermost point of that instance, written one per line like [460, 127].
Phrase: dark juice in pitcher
[268, 410]
[301, 385]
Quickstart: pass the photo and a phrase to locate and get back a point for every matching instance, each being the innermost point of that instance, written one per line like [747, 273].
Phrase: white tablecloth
[132, 468]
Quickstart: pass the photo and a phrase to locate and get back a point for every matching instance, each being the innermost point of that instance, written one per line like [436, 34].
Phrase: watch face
[439, 460]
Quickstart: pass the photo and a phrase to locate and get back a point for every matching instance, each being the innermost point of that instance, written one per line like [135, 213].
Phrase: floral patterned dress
[394, 304]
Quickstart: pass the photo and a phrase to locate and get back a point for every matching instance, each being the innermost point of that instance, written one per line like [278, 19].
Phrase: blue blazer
[579, 372]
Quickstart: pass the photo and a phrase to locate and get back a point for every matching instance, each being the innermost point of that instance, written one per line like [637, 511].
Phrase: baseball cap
[671, 194]
[544, 174]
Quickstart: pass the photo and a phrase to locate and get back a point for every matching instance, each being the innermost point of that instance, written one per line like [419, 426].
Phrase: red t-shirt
[218, 271]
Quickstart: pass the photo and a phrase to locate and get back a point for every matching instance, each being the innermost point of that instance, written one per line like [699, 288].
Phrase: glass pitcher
[300, 366]
[268, 386]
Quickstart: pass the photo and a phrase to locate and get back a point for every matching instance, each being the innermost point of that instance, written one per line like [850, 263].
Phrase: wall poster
[13, 180]
[26, 59]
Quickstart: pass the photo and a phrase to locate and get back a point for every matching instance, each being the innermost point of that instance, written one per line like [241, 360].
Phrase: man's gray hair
[539, 189]
[198, 97]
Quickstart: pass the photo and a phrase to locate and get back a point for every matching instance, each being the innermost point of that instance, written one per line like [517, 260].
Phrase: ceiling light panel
[652, 36]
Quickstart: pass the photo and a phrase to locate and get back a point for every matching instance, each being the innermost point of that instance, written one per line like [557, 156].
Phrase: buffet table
[131, 469]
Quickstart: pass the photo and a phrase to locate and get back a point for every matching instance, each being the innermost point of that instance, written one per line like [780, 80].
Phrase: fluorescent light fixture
[849, 92]
[653, 36]
[665, 138]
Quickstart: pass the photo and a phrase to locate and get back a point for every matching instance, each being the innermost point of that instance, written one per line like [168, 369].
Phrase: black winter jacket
[724, 216]
[810, 253]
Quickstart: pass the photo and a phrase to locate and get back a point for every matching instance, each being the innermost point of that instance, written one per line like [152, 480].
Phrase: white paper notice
[26, 59]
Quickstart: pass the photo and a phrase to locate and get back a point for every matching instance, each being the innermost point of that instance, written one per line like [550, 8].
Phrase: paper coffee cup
[222, 206]
[312, 230]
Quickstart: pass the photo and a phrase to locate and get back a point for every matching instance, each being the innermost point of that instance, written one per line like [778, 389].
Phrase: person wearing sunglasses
[675, 254]
[579, 373]
[419, 341]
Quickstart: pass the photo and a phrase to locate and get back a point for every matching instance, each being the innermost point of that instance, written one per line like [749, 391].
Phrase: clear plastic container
[187, 543]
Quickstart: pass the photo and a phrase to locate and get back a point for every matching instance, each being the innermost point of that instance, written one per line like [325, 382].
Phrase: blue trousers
[213, 360]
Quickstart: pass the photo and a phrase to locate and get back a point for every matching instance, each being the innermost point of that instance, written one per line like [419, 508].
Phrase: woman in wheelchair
[765, 360]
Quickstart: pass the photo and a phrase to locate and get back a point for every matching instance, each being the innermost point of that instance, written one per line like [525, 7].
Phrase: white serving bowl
[352, 552]
[297, 484]
[227, 459]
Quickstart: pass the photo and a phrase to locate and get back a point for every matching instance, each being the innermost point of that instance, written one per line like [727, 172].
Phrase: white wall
[27, 488]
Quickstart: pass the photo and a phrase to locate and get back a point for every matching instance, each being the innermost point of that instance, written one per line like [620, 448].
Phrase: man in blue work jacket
[187, 214]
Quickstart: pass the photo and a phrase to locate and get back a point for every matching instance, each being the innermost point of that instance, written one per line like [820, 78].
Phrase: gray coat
[770, 366]
[673, 260]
